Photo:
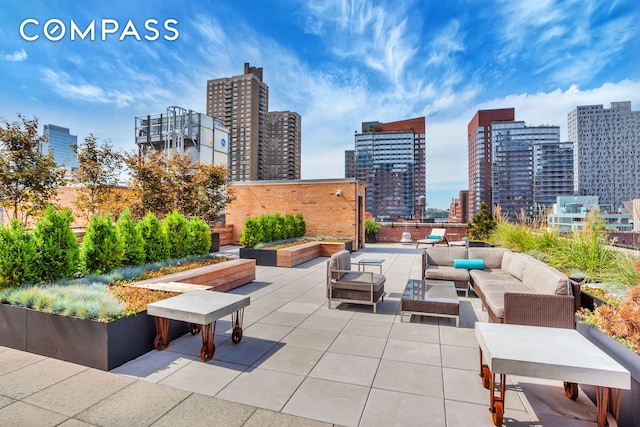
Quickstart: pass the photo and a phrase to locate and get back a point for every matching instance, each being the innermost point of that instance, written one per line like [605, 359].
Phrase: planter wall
[262, 256]
[86, 342]
[629, 407]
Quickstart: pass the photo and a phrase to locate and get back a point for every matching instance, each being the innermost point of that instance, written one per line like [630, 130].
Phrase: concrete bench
[201, 308]
[221, 277]
[294, 255]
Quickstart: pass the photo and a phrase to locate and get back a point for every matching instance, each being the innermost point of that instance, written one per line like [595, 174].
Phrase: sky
[337, 63]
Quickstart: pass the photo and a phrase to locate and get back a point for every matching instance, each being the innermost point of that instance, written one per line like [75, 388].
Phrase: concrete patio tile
[546, 397]
[412, 352]
[324, 323]
[156, 365]
[367, 328]
[284, 318]
[79, 392]
[71, 422]
[255, 314]
[25, 415]
[262, 388]
[466, 386]
[139, 404]
[346, 368]
[564, 421]
[204, 378]
[310, 338]
[406, 331]
[385, 312]
[464, 414]
[289, 359]
[35, 377]
[328, 401]
[246, 352]
[334, 311]
[266, 331]
[205, 411]
[391, 408]
[299, 307]
[460, 357]
[358, 345]
[4, 401]
[411, 378]
[265, 418]
[11, 359]
[313, 296]
[464, 337]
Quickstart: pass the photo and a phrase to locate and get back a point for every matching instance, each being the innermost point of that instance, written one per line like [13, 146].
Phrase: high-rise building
[59, 143]
[479, 145]
[606, 151]
[391, 159]
[350, 164]
[281, 149]
[241, 102]
[529, 168]
[185, 132]
[458, 208]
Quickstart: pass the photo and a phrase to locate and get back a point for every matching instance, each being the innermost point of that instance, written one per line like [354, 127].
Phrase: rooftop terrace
[299, 363]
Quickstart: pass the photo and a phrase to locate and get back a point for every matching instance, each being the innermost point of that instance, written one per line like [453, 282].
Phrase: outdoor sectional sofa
[514, 287]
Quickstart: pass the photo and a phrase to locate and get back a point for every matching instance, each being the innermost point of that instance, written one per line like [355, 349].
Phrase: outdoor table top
[200, 307]
[370, 261]
[549, 353]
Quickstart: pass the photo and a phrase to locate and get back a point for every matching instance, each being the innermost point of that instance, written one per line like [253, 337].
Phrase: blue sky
[336, 63]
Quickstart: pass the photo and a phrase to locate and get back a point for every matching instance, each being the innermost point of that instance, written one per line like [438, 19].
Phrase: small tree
[301, 226]
[28, 177]
[176, 228]
[200, 236]
[251, 233]
[482, 224]
[98, 173]
[156, 244]
[57, 245]
[19, 258]
[101, 249]
[131, 240]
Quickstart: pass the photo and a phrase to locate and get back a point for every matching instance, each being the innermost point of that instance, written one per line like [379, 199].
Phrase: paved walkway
[299, 364]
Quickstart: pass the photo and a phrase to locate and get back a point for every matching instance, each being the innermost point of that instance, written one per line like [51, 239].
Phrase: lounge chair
[436, 236]
[347, 285]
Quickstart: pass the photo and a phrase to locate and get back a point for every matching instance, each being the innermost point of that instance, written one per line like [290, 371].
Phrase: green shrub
[251, 234]
[301, 226]
[57, 245]
[131, 239]
[200, 237]
[156, 243]
[290, 227]
[19, 259]
[176, 227]
[371, 226]
[482, 224]
[101, 249]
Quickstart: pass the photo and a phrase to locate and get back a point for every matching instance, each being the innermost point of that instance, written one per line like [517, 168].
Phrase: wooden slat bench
[290, 257]
[221, 277]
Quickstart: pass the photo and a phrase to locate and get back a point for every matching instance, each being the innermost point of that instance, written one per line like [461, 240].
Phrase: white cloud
[17, 56]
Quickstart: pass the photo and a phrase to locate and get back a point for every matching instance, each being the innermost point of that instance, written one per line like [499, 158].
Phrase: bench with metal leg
[201, 309]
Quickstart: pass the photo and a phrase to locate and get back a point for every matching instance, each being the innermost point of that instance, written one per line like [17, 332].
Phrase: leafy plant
[156, 243]
[131, 239]
[56, 244]
[176, 228]
[200, 237]
[270, 228]
[371, 226]
[19, 259]
[101, 249]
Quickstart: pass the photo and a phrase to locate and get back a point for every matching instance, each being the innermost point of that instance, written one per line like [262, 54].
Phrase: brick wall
[324, 213]
[392, 231]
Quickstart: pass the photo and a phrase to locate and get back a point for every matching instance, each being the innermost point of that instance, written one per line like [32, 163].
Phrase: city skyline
[336, 63]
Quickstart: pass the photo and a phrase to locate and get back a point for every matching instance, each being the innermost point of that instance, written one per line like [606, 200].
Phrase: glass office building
[390, 158]
[59, 144]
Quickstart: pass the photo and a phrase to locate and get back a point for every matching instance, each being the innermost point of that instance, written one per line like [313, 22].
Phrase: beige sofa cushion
[444, 255]
[339, 261]
[360, 281]
[492, 256]
[439, 272]
[516, 264]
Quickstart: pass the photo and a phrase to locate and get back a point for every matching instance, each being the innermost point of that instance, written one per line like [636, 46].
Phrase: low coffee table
[430, 298]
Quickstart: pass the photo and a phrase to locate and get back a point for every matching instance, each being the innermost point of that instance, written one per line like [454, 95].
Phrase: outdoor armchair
[352, 286]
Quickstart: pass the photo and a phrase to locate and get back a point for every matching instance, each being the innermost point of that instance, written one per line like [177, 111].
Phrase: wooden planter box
[291, 256]
[629, 407]
[86, 342]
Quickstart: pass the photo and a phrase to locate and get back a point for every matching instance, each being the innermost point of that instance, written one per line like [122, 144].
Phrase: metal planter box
[86, 342]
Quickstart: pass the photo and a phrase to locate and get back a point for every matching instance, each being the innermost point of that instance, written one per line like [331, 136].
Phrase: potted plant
[371, 227]
[480, 227]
